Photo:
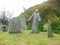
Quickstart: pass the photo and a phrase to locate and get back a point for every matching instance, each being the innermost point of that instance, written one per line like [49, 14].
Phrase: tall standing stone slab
[35, 18]
[14, 25]
[0, 26]
[49, 32]
[23, 24]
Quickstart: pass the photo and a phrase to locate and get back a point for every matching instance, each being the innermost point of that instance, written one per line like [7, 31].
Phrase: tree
[55, 4]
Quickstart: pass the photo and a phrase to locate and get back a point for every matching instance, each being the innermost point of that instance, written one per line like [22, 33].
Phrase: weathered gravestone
[35, 18]
[49, 31]
[0, 26]
[14, 25]
[23, 24]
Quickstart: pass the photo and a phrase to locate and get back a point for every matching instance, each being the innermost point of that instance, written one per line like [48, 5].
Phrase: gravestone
[49, 32]
[35, 18]
[14, 25]
[0, 26]
[23, 24]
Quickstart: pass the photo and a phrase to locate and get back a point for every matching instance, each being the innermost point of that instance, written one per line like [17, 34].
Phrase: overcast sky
[16, 5]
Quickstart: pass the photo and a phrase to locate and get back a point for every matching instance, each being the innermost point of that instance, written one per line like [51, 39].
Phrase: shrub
[56, 26]
[40, 26]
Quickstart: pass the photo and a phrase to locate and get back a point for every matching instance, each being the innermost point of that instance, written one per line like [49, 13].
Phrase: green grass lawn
[25, 38]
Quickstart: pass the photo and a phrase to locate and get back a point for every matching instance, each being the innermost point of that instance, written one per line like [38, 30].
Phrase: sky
[16, 6]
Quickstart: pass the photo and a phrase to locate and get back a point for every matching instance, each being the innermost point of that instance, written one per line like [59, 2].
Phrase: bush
[29, 25]
[56, 26]
[40, 26]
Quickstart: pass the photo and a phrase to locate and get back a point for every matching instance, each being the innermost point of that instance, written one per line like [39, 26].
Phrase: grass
[25, 38]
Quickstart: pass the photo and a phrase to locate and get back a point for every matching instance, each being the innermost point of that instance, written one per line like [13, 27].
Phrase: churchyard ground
[26, 38]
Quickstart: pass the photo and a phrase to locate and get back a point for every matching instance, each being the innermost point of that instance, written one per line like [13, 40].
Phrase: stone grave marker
[0, 26]
[23, 24]
[14, 25]
[49, 32]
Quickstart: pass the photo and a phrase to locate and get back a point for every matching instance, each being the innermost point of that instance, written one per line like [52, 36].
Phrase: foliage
[56, 26]
[40, 26]
[55, 2]
[55, 5]
[29, 26]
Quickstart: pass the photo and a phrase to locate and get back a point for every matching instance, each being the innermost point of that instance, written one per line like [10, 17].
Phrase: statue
[35, 18]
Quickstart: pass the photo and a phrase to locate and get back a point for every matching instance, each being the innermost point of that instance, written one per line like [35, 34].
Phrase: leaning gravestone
[14, 25]
[23, 24]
